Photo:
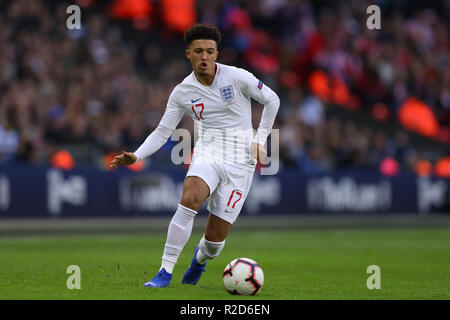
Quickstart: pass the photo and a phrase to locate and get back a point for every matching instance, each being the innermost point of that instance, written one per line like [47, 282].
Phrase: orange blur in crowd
[442, 168]
[62, 159]
[423, 168]
[417, 116]
[131, 9]
[331, 90]
[179, 14]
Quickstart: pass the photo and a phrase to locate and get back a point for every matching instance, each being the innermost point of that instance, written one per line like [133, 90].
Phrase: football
[243, 276]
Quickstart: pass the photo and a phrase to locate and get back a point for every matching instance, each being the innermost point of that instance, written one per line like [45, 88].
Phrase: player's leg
[213, 241]
[224, 205]
[211, 244]
[217, 228]
[195, 192]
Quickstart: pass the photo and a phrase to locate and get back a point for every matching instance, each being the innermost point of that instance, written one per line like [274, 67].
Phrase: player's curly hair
[202, 31]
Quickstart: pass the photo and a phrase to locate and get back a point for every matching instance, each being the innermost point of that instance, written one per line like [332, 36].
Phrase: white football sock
[178, 234]
[208, 250]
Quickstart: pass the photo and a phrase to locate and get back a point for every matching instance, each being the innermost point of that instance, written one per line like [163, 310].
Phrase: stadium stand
[350, 97]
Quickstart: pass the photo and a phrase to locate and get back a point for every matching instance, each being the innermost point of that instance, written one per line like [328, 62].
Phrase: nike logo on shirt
[194, 101]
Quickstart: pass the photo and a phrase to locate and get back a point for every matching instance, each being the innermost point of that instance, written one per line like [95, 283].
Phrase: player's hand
[258, 152]
[123, 159]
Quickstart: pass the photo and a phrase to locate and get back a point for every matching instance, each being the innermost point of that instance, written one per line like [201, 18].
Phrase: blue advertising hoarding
[90, 192]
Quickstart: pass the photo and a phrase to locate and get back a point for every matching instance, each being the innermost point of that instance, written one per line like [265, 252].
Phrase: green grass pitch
[297, 264]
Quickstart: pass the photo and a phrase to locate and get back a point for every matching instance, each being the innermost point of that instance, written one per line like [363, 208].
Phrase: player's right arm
[170, 120]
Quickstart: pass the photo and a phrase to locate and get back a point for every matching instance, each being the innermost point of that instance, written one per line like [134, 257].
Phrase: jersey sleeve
[173, 113]
[256, 89]
[170, 120]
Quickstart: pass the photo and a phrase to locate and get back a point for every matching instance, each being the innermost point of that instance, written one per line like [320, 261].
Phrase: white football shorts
[228, 186]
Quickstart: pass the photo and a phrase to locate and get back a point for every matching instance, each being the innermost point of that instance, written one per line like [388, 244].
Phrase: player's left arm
[256, 89]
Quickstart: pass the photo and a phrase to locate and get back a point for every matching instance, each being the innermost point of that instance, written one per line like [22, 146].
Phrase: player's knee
[191, 200]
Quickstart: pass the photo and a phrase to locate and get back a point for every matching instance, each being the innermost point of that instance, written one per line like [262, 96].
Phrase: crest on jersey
[227, 93]
[260, 85]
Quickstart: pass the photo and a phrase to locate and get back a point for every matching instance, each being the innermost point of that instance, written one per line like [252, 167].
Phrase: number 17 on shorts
[234, 199]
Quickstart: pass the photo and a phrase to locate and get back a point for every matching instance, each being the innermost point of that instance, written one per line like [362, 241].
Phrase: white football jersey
[222, 114]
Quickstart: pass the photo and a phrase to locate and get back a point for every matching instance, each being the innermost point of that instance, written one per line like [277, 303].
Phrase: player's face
[202, 53]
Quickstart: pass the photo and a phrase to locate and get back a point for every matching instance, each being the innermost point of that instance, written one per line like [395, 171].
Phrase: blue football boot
[195, 270]
[161, 280]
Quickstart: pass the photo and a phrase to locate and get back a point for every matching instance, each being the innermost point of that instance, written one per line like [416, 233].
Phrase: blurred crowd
[102, 89]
